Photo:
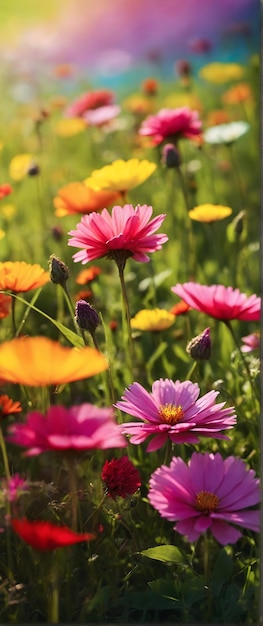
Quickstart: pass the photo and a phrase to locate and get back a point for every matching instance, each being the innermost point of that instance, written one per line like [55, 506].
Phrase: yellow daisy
[69, 127]
[209, 213]
[152, 319]
[19, 166]
[121, 175]
[220, 73]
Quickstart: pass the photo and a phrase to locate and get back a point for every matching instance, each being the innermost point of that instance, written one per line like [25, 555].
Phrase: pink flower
[101, 115]
[13, 487]
[121, 478]
[82, 427]
[128, 229]
[173, 411]
[89, 100]
[172, 124]
[208, 493]
[252, 342]
[223, 303]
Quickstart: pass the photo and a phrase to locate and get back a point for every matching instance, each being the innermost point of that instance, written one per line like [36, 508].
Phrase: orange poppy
[39, 361]
[8, 407]
[217, 116]
[84, 294]
[86, 276]
[238, 93]
[19, 276]
[79, 198]
[150, 86]
[5, 304]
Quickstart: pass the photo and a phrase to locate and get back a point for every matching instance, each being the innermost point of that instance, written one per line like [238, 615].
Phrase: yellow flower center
[206, 502]
[171, 414]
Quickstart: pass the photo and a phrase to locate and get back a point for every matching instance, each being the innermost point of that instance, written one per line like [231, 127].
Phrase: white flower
[225, 133]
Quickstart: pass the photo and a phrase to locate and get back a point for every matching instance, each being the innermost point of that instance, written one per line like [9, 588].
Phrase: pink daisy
[127, 232]
[208, 493]
[223, 303]
[173, 411]
[172, 124]
[83, 427]
[251, 342]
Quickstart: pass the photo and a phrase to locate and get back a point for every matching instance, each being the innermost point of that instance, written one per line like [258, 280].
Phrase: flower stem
[253, 388]
[73, 490]
[8, 506]
[71, 309]
[188, 226]
[13, 305]
[53, 616]
[191, 371]
[126, 318]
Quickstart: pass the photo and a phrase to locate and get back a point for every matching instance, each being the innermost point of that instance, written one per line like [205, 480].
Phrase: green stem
[13, 305]
[188, 227]
[53, 609]
[126, 318]
[27, 311]
[253, 388]
[8, 506]
[191, 370]
[71, 462]
[237, 175]
[71, 309]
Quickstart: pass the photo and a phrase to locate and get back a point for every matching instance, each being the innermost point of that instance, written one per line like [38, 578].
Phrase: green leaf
[166, 554]
[222, 571]
[72, 337]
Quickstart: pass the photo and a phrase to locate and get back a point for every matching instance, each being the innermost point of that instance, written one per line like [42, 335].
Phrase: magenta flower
[223, 303]
[83, 427]
[173, 411]
[172, 124]
[121, 477]
[251, 342]
[13, 487]
[127, 230]
[208, 493]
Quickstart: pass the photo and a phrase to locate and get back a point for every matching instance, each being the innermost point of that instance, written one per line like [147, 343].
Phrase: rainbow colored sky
[108, 36]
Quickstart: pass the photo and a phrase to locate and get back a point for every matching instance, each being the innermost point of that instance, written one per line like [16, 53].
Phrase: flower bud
[199, 347]
[86, 316]
[58, 270]
[170, 156]
[33, 169]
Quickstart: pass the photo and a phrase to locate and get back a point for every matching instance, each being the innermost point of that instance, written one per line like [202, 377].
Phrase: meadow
[129, 376]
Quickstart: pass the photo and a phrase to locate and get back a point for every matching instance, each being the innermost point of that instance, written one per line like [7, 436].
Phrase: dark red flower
[45, 536]
[120, 477]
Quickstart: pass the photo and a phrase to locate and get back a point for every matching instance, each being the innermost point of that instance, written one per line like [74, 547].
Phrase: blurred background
[115, 43]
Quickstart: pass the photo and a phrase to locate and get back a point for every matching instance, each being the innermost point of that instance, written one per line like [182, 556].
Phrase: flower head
[209, 213]
[180, 308]
[207, 493]
[87, 317]
[101, 115]
[8, 406]
[89, 100]
[121, 175]
[69, 127]
[238, 93]
[19, 166]
[173, 411]
[223, 303]
[19, 276]
[88, 275]
[121, 478]
[82, 427]
[5, 190]
[226, 133]
[128, 229]
[45, 536]
[220, 73]
[14, 487]
[39, 361]
[58, 270]
[200, 347]
[152, 319]
[5, 305]
[79, 198]
[172, 124]
[251, 342]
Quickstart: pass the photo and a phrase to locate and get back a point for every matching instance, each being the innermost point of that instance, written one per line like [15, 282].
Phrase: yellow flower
[7, 211]
[209, 213]
[152, 319]
[219, 73]
[19, 165]
[177, 100]
[2, 233]
[121, 175]
[70, 127]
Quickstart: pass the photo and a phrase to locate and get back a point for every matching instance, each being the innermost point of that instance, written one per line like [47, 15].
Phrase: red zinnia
[45, 536]
[120, 477]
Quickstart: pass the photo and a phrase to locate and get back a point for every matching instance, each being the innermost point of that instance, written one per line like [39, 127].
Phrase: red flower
[89, 100]
[120, 477]
[180, 308]
[8, 407]
[5, 190]
[45, 536]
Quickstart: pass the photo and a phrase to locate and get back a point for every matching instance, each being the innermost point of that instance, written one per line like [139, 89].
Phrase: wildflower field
[129, 348]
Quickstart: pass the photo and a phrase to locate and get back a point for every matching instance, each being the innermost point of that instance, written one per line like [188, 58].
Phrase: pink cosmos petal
[171, 123]
[83, 427]
[157, 442]
[127, 228]
[224, 303]
[199, 417]
[174, 490]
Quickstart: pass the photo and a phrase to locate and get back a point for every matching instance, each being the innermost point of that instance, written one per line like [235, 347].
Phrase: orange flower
[86, 276]
[63, 70]
[38, 361]
[150, 86]
[238, 93]
[5, 190]
[20, 276]
[5, 304]
[218, 116]
[79, 198]
[84, 294]
[180, 308]
[8, 407]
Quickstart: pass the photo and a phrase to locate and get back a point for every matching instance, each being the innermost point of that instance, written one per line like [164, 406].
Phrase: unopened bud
[199, 347]
[58, 270]
[238, 223]
[87, 317]
[170, 156]
[33, 169]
